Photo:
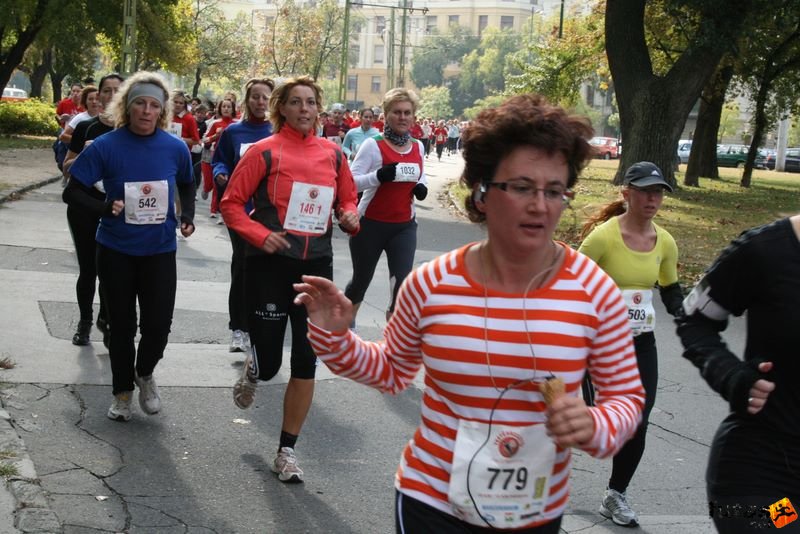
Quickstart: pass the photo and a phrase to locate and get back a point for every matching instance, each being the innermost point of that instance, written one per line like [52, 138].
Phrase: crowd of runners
[530, 348]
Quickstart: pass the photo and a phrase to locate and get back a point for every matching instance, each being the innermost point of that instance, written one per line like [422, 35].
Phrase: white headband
[145, 89]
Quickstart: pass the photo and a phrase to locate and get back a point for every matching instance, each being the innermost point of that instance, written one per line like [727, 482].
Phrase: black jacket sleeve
[672, 297]
[725, 373]
[186, 193]
[78, 195]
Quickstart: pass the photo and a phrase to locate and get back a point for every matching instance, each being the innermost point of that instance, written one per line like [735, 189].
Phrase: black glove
[420, 191]
[387, 173]
[108, 210]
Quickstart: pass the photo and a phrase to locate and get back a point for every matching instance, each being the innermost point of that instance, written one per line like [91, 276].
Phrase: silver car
[684, 148]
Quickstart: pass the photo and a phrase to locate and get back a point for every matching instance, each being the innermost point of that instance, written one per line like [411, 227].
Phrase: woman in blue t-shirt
[141, 167]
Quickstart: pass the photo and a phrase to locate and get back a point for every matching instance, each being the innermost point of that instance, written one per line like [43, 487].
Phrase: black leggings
[270, 304]
[237, 304]
[83, 228]
[416, 517]
[627, 459]
[439, 150]
[399, 240]
[152, 280]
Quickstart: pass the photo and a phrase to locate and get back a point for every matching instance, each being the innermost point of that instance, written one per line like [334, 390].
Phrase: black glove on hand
[387, 173]
[420, 191]
[108, 210]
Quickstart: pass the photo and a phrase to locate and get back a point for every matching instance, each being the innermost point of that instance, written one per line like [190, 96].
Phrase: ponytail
[606, 212]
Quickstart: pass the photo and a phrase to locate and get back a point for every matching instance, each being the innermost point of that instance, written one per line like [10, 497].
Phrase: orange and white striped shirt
[444, 320]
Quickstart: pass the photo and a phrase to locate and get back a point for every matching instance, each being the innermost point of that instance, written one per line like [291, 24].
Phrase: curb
[15, 194]
[32, 513]
[454, 203]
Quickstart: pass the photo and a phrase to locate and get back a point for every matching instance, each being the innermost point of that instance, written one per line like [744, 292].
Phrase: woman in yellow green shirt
[638, 255]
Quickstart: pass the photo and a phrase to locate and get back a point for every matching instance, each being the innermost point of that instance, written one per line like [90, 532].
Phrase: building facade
[381, 52]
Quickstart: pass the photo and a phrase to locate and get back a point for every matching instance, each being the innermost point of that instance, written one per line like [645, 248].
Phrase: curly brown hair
[523, 120]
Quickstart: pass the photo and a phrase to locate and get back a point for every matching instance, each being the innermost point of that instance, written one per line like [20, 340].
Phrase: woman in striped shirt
[492, 322]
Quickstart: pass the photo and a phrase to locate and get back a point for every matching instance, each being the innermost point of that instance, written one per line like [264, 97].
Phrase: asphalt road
[202, 464]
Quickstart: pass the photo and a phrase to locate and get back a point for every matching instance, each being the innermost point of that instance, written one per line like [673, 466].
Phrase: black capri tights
[399, 240]
[83, 227]
[270, 305]
[627, 459]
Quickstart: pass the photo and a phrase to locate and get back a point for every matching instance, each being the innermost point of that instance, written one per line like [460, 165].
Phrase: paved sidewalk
[23, 503]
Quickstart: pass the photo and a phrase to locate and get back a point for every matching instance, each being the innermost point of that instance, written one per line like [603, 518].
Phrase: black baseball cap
[645, 174]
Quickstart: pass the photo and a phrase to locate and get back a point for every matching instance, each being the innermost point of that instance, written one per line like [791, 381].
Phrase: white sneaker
[285, 465]
[616, 508]
[120, 409]
[149, 399]
[238, 343]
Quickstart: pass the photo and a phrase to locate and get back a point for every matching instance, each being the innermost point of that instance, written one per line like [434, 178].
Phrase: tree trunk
[39, 73]
[703, 157]
[759, 128]
[56, 79]
[653, 109]
[197, 79]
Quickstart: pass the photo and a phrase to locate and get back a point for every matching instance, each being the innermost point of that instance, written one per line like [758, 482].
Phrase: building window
[375, 87]
[590, 95]
[352, 82]
[430, 23]
[380, 24]
[483, 22]
[356, 27]
[452, 19]
[378, 54]
[354, 54]
[506, 22]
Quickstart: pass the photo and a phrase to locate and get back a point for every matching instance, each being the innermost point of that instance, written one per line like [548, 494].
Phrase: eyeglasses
[525, 190]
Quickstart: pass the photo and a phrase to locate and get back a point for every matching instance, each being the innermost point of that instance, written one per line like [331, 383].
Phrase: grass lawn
[703, 220]
[8, 142]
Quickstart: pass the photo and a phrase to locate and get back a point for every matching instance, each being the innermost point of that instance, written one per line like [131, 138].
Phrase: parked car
[736, 156]
[12, 94]
[792, 160]
[605, 147]
[684, 149]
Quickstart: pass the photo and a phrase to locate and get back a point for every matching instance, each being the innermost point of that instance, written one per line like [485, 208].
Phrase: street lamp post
[345, 53]
[128, 63]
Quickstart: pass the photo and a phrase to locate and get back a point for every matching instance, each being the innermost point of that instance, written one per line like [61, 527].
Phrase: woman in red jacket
[295, 179]
[440, 137]
[226, 109]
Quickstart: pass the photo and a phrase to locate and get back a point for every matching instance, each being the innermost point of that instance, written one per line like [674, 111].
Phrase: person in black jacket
[754, 462]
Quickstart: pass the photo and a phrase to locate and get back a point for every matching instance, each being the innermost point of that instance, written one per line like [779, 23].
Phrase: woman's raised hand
[325, 303]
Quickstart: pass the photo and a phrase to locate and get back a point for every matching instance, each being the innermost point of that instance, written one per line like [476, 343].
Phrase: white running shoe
[285, 465]
[616, 508]
[120, 409]
[246, 337]
[244, 390]
[238, 343]
[149, 399]
[212, 216]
